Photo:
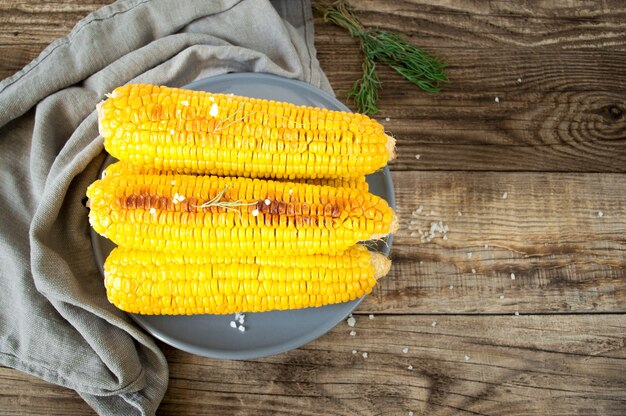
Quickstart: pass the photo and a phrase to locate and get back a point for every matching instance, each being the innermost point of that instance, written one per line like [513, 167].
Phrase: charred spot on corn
[217, 213]
[198, 132]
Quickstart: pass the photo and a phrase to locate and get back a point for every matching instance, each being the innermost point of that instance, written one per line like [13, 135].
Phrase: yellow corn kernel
[148, 282]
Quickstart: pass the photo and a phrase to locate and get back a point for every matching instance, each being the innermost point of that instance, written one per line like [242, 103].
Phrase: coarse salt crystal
[371, 316]
[459, 213]
[410, 413]
[152, 211]
[214, 110]
[211, 98]
[434, 324]
[451, 287]
[512, 276]
[351, 321]
[365, 355]
[469, 255]
[501, 296]
[418, 157]
[486, 245]
[410, 367]
[473, 271]
[387, 119]
[466, 357]
[516, 313]
[255, 212]
[233, 324]
[519, 80]
[505, 195]
[172, 132]
[600, 213]
[241, 328]
[267, 201]
[405, 350]
[497, 99]
[352, 333]
[354, 352]
[445, 237]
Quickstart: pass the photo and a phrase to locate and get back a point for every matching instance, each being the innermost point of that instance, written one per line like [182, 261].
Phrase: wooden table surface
[521, 310]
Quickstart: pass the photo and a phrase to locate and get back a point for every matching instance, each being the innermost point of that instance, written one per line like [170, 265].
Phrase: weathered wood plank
[559, 24]
[556, 111]
[513, 365]
[548, 232]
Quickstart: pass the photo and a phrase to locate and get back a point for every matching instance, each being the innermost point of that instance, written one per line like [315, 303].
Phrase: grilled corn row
[234, 215]
[204, 133]
[154, 283]
[125, 168]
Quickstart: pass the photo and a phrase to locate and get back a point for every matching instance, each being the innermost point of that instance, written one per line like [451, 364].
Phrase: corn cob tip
[391, 147]
[393, 228]
[381, 264]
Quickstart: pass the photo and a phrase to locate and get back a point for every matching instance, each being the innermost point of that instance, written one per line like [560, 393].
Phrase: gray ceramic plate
[266, 333]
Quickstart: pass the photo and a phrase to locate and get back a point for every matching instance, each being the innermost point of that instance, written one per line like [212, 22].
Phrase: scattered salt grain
[352, 333]
[351, 322]
[241, 328]
[255, 213]
[177, 198]
[371, 316]
[473, 271]
[460, 214]
[505, 195]
[516, 313]
[184, 102]
[172, 132]
[497, 99]
[213, 111]
[354, 352]
[405, 350]
[417, 211]
[451, 287]
[242, 319]
[410, 413]
[418, 157]
[486, 245]
[267, 201]
[291, 192]
[410, 367]
[600, 213]
[434, 324]
[466, 358]
[172, 182]
[211, 98]
[387, 119]
[365, 355]
[501, 296]
[469, 255]
[152, 211]
[445, 237]
[233, 324]
[512, 276]
[519, 80]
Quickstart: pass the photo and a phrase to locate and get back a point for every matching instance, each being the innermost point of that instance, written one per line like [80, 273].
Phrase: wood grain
[514, 365]
[555, 143]
[547, 232]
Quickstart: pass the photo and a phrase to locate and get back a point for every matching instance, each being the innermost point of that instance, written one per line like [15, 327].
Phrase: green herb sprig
[414, 64]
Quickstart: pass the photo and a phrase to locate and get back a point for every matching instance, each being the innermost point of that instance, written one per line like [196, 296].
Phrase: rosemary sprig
[417, 66]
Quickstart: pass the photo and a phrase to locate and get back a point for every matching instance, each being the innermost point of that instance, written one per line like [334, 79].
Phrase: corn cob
[198, 132]
[234, 215]
[155, 283]
[127, 168]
